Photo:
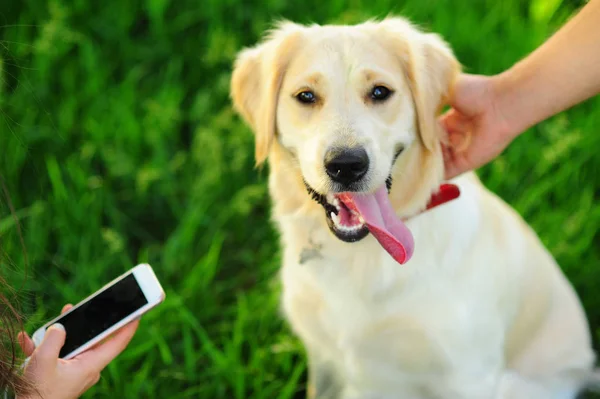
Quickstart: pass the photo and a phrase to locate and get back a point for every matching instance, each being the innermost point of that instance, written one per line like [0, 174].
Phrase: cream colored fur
[482, 310]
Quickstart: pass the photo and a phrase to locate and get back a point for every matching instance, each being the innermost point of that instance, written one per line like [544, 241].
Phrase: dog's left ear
[256, 81]
[431, 70]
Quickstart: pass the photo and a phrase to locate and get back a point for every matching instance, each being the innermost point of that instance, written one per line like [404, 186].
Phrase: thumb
[53, 341]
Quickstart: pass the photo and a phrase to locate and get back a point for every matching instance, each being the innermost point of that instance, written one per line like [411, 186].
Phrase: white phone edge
[150, 286]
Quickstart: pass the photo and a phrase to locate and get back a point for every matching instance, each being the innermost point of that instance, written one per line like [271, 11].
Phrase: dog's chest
[365, 313]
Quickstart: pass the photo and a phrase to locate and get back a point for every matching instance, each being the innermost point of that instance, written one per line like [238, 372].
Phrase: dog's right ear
[256, 81]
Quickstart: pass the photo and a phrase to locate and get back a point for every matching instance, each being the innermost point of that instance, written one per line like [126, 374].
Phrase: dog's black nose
[346, 166]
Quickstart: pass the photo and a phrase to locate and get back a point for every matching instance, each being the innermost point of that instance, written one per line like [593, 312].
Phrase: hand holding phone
[67, 379]
[117, 303]
[66, 355]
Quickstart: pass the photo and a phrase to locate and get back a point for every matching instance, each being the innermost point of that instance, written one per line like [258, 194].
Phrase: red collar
[446, 193]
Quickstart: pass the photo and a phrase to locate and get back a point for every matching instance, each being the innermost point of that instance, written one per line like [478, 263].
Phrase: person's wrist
[509, 121]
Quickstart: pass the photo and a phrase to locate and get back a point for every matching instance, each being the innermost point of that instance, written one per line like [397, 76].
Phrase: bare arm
[562, 72]
[489, 112]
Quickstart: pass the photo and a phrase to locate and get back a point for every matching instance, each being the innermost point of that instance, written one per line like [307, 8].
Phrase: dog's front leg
[323, 381]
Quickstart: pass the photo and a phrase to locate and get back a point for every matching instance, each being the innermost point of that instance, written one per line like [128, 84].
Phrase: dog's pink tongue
[379, 216]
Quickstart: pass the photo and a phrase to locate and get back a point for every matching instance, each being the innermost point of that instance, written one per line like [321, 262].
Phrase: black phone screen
[101, 312]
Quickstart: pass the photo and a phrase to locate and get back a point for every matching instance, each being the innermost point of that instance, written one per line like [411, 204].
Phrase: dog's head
[355, 108]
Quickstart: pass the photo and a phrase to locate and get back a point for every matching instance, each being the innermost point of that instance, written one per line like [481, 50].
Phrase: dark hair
[11, 322]
[10, 377]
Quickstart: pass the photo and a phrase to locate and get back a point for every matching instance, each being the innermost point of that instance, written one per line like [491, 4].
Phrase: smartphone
[113, 306]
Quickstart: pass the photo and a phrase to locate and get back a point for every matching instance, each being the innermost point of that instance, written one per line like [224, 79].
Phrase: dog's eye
[380, 93]
[306, 97]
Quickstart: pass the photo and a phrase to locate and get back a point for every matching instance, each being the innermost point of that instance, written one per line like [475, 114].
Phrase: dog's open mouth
[346, 223]
[351, 216]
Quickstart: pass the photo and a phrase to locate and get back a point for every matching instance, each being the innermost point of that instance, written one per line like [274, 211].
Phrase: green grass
[118, 145]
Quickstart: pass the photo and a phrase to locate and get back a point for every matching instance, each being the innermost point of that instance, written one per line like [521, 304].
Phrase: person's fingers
[458, 130]
[101, 355]
[53, 341]
[455, 122]
[470, 125]
[456, 143]
[450, 167]
[26, 343]
[456, 162]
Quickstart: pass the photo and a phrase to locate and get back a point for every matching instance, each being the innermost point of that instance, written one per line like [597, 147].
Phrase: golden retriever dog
[461, 301]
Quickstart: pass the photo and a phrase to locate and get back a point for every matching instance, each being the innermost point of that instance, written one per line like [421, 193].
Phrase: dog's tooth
[336, 203]
[336, 219]
[350, 229]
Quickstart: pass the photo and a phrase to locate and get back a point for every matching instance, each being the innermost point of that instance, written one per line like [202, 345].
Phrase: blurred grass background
[118, 145]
